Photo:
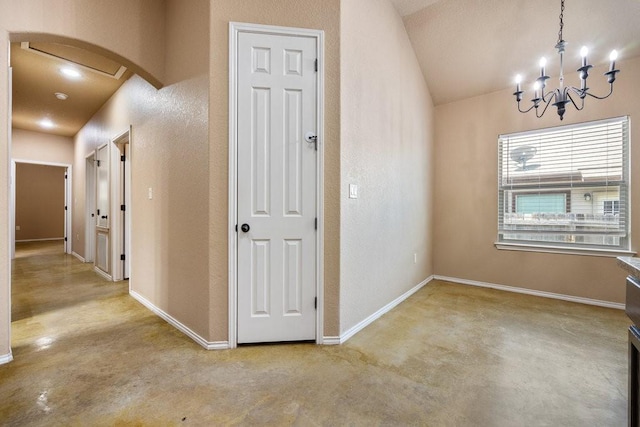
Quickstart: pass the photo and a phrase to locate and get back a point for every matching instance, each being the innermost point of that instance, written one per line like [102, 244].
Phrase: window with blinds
[566, 186]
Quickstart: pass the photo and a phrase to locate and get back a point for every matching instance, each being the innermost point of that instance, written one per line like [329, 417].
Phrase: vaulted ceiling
[465, 48]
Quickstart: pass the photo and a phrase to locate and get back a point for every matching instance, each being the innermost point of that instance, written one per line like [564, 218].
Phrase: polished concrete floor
[451, 355]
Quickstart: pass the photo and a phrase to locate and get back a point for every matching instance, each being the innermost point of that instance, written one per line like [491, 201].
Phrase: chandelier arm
[549, 94]
[526, 111]
[546, 105]
[602, 97]
[571, 98]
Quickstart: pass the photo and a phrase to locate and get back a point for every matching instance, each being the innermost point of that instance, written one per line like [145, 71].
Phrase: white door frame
[68, 234]
[234, 29]
[106, 274]
[117, 226]
[90, 208]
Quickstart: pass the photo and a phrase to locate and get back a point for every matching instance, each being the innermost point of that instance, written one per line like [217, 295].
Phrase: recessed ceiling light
[46, 123]
[61, 96]
[72, 73]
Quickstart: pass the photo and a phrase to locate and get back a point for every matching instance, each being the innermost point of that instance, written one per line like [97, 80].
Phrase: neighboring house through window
[565, 188]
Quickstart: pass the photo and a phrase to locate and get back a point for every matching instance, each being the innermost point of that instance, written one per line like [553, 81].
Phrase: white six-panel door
[276, 186]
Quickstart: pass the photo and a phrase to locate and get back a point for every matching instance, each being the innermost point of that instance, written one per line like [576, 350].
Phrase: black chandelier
[561, 96]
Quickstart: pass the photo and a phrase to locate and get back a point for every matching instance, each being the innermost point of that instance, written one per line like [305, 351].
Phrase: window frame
[507, 197]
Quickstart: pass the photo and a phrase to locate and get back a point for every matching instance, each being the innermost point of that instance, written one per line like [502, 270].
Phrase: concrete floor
[88, 354]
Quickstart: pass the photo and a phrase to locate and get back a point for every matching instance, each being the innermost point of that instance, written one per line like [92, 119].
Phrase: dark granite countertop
[631, 264]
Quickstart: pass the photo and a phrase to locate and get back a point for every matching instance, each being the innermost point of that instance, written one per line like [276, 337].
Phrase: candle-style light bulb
[583, 53]
[543, 63]
[536, 89]
[518, 81]
[612, 57]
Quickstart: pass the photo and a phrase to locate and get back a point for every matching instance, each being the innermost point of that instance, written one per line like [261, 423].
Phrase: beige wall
[169, 153]
[466, 192]
[39, 201]
[386, 134]
[113, 28]
[315, 14]
[35, 220]
[41, 147]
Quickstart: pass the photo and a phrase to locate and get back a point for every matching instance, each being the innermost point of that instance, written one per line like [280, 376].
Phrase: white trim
[209, 345]
[78, 256]
[234, 29]
[6, 358]
[102, 273]
[387, 308]
[89, 206]
[331, 340]
[116, 76]
[533, 292]
[118, 147]
[526, 247]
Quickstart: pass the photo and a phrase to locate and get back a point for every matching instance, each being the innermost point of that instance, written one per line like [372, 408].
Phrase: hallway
[85, 353]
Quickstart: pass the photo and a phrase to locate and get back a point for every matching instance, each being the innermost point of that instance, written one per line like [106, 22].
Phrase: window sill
[562, 250]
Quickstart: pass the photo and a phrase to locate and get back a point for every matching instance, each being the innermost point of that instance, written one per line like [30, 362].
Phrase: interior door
[276, 269]
[90, 200]
[102, 261]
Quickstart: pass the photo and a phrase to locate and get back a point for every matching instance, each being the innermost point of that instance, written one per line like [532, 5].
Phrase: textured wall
[386, 134]
[315, 14]
[41, 147]
[39, 201]
[169, 153]
[466, 192]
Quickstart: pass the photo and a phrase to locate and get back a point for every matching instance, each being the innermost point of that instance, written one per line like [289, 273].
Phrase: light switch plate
[353, 191]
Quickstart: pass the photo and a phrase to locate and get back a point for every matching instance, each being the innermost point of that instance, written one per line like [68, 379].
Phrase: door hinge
[98, 163]
[65, 239]
[122, 257]
[315, 303]
[123, 158]
[315, 223]
[123, 208]
[65, 208]
[65, 176]
[236, 228]
[315, 66]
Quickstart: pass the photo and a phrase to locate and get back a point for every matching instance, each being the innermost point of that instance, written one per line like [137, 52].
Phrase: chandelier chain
[561, 21]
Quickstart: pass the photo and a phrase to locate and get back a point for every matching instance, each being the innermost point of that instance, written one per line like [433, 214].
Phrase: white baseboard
[533, 292]
[78, 256]
[6, 358]
[330, 340]
[102, 273]
[209, 345]
[366, 322]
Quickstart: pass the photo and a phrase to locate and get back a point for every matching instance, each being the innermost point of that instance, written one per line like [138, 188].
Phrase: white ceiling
[467, 48]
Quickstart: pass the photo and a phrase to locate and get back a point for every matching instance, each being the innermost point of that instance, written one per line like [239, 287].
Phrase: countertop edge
[630, 264]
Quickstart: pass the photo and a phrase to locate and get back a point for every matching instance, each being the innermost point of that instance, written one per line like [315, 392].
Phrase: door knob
[245, 227]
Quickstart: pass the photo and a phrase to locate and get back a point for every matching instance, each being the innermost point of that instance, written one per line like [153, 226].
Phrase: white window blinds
[566, 186]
